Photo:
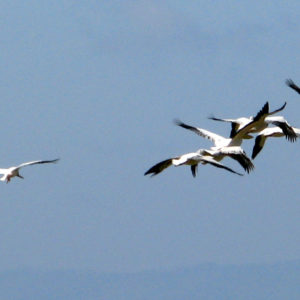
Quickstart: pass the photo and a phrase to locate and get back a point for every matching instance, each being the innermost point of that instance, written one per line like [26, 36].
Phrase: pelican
[192, 159]
[266, 133]
[292, 85]
[258, 123]
[14, 171]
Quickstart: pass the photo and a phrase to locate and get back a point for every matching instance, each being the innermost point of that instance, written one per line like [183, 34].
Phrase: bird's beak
[20, 176]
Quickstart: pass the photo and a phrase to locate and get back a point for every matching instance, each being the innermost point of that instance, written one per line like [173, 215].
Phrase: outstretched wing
[202, 132]
[244, 161]
[37, 162]
[287, 130]
[292, 85]
[159, 167]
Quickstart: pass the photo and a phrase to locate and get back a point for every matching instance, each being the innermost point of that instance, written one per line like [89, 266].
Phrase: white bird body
[14, 171]
[266, 133]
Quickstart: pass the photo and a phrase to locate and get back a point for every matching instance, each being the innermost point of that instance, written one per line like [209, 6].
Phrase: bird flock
[264, 124]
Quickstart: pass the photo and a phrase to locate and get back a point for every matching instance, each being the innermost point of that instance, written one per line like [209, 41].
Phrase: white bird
[266, 133]
[292, 85]
[192, 159]
[258, 123]
[14, 171]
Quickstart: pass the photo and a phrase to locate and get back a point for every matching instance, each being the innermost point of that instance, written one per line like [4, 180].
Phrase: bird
[266, 133]
[192, 159]
[14, 171]
[258, 123]
[292, 85]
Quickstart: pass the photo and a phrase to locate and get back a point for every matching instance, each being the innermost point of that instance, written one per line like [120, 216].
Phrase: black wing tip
[265, 108]
[247, 163]
[289, 82]
[287, 130]
[283, 106]
[159, 167]
[177, 122]
[151, 172]
[183, 125]
[212, 117]
[292, 137]
[50, 161]
[249, 168]
[263, 111]
[194, 170]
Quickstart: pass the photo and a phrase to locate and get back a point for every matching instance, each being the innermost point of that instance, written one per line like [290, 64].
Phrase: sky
[98, 85]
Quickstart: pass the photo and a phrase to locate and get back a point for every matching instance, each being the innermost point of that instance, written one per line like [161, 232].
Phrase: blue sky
[98, 85]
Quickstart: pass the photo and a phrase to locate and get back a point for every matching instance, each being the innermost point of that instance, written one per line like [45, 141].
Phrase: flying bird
[192, 159]
[14, 171]
[292, 85]
[266, 133]
[256, 124]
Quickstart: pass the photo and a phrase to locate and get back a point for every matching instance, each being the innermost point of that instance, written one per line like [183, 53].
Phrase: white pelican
[192, 159]
[14, 171]
[259, 123]
[264, 134]
[292, 85]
